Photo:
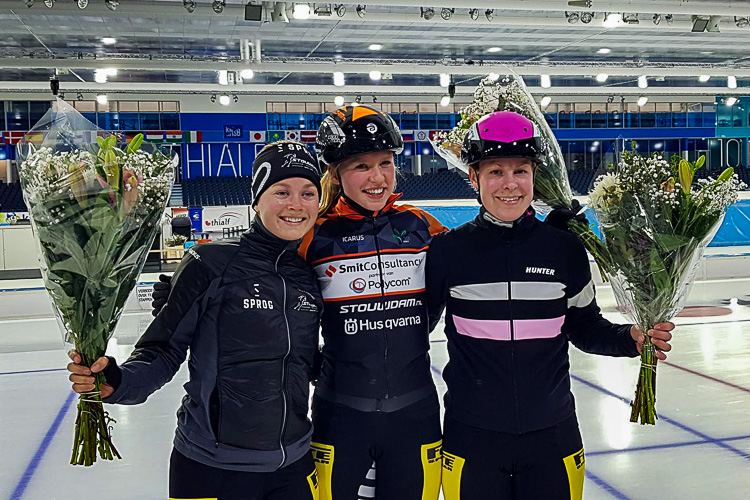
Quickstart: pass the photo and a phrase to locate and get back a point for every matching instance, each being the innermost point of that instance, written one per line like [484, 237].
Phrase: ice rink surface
[699, 449]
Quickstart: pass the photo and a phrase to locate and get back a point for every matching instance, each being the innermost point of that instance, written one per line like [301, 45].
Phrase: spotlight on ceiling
[375, 75]
[572, 17]
[223, 76]
[704, 78]
[340, 11]
[218, 6]
[426, 13]
[493, 76]
[545, 101]
[446, 13]
[731, 101]
[361, 10]
[489, 14]
[301, 11]
[235, 98]
[642, 82]
[740, 22]
[669, 18]
[545, 81]
[656, 19]
[111, 4]
[79, 96]
[445, 79]
[247, 74]
[189, 5]
[100, 76]
[474, 14]
[587, 17]
[101, 99]
[602, 77]
[338, 100]
[338, 79]
[49, 3]
[108, 40]
[445, 100]
[323, 10]
[224, 100]
[630, 19]
[732, 82]
[28, 3]
[82, 4]
[610, 99]
[642, 100]
[278, 13]
[213, 97]
[612, 19]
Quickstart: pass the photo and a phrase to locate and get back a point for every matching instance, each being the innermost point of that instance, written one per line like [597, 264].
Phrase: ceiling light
[338, 79]
[361, 10]
[545, 101]
[101, 99]
[445, 79]
[489, 14]
[493, 76]
[218, 6]
[223, 77]
[224, 100]
[474, 14]
[235, 98]
[604, 50]
[445, 100]
[630, 19]
[573, 17]
[612, 19]
[732, 82]
[100, 76]
[586, 17]
[669, 18]
[340, 10]
[110, 71]
[108, 40]
[49, 3]
[323, 10]
[546, 82]
[375, 75]
[375, 46]
[602, 77]
[82, 4]
[357, 101]
[446, 13]
[301, 11]
[189, 5]
[642, 82]
[426, 13]
[731, 101]
[656, 19]
[28, 3]
[247, 74]
[642, 100]
[111, 4]
[494, 49]
[213, 97]
[79, 96]
[704, 78]
[338, 100]
[741, 22]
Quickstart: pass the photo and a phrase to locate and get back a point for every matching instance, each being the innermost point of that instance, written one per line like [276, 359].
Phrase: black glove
[161, 293]
[559, 217]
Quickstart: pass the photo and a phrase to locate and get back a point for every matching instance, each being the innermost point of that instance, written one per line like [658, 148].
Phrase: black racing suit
[516, 294]
[249, 312]
[375, 411]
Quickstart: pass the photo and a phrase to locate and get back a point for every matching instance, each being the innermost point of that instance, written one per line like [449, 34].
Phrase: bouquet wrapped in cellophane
[655, 224]
[95, 208]
[551, 185]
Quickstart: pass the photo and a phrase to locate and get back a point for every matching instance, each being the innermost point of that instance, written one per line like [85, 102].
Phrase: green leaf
[686, 176]
[135, 143]
[671, 242]
[100, 141]
[701, 161]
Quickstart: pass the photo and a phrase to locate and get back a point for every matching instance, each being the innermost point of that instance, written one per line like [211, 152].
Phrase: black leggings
[366, 455]
[488, 465]
[189, 479]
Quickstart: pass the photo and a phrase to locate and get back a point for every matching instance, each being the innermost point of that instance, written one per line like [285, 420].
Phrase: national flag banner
[13, 137]
[173, 136]
[308, 136]
[257, 136]
[192, 136]
[155, 136]
[275, 136]
[291, 135]
[408, 135]
[421, 135]
[433, 133]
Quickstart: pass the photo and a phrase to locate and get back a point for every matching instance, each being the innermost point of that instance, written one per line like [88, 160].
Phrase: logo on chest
[305, 305]
[540, 270]
[257, 302]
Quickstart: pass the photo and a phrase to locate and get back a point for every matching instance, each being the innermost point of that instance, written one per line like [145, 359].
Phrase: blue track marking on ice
[596, 479]
[663, 418]
[666, 446]
[34, 371]
[23, 483]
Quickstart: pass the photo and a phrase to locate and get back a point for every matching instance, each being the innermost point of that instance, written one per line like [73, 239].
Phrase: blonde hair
[331, 192]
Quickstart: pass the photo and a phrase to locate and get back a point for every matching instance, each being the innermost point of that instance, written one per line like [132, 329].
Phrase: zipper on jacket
[382, 299]
[284, 364]
[512, 337]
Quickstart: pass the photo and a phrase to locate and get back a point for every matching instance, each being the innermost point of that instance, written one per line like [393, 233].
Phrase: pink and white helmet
[502, 134]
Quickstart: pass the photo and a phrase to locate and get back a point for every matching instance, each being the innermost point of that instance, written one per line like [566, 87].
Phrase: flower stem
[644, 404]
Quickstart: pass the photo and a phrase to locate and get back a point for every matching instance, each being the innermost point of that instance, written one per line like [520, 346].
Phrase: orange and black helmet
[356, 130]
